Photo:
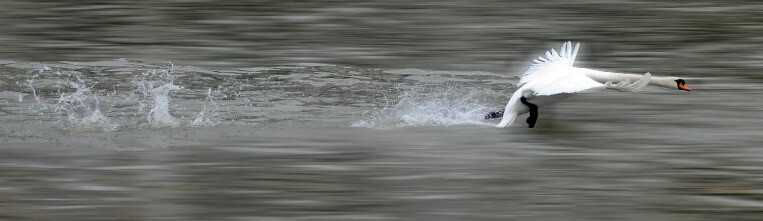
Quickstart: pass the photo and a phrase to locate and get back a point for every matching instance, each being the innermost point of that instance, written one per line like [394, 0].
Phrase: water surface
[344, 110]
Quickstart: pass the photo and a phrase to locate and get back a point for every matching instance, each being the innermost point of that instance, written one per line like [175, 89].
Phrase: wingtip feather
[566, 56]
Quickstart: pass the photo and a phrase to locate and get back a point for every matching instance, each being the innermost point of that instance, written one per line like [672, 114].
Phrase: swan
[555, 76]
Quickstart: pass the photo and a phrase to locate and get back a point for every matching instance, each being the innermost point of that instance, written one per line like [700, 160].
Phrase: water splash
[82, 108]
[209, 115]
[30, 84]
[39, 107]
[439, 106]
[154, 88]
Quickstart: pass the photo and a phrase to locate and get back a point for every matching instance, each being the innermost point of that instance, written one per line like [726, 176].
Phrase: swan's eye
[681, 84]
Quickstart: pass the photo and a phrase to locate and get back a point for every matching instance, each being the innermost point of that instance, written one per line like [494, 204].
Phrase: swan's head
[681, 84]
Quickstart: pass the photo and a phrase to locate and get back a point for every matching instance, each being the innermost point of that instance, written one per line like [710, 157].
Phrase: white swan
[555, 74]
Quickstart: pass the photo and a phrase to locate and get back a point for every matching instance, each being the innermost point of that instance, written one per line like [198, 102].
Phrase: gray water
[346, 110]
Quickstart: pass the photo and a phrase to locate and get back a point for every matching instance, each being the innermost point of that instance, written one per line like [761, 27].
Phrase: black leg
[493, 115]
[533, 112]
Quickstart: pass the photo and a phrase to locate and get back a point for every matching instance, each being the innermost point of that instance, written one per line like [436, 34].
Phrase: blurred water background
[352, 110]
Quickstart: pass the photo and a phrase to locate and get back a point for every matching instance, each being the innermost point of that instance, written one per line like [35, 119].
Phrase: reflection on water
[347, 110]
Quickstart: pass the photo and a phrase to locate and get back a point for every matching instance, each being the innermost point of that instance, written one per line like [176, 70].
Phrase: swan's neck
[605, 76]
[666, 82]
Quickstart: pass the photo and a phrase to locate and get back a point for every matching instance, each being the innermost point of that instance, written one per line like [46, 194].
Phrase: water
[345, 110]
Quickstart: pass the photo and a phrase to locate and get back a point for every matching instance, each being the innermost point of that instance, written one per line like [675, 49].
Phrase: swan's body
[555, 76]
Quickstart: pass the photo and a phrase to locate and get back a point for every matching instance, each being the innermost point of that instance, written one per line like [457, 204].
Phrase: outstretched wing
[554, 73]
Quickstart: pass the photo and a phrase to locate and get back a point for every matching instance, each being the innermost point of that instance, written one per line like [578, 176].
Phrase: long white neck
[605, 76]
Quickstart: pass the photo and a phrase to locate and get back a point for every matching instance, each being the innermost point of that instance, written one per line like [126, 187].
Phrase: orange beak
[684, 87]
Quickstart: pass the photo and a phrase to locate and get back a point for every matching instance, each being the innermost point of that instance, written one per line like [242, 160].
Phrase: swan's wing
[554, 73]
[570, 83]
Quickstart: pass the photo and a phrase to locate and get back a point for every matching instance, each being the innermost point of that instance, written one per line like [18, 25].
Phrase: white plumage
[554, 74]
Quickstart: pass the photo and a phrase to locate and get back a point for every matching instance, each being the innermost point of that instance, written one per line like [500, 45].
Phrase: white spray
[209, 114]
[442, 106]
[82, 108]
[154, 87]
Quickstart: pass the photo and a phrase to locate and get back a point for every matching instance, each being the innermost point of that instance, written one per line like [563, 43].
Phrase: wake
[447, 105]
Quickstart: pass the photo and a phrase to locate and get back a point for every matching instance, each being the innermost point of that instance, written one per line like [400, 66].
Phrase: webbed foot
[494, 115]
